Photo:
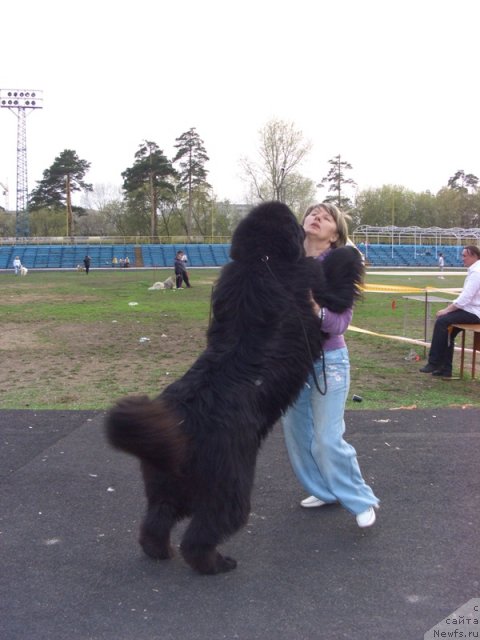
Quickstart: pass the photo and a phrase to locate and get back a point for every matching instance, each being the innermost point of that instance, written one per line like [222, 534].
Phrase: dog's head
[270, 229]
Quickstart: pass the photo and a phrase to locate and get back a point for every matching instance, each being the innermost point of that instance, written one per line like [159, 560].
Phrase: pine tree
[192, 157]
[54, 191]
[336, 181]
[152, 175]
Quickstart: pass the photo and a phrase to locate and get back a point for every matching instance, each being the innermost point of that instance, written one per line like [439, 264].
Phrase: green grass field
[71, 341]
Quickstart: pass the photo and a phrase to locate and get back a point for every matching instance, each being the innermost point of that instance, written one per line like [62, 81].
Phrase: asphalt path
[72, 569]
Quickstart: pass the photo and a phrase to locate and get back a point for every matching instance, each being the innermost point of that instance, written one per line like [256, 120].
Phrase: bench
[475, 328]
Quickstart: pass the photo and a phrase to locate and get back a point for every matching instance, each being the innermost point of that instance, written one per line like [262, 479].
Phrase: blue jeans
[323, 462]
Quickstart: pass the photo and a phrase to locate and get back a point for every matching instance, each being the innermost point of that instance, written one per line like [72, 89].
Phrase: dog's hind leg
[207, 529]
[155, 531]
[198, 548]
[224, 512]
[164, 510]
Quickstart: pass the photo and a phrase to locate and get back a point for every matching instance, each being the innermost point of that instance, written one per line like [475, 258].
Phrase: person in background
[324, 463]
[463, 310]
[17, 265]
[185, 260]
[181, 273]
[86, 262]
[441, 261]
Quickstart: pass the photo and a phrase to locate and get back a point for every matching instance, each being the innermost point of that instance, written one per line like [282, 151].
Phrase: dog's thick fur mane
[198, 440]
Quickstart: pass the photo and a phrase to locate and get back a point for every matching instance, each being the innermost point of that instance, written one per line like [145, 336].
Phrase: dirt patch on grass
[18, 337]
[32, 298]
[93, 365]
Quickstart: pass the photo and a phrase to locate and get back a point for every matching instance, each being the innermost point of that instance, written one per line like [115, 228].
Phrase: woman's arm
[334, 323]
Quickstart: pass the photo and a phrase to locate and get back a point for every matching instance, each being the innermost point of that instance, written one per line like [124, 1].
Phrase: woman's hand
[316, 307]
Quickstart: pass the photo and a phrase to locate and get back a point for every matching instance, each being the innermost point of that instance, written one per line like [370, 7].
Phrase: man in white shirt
[463, 310]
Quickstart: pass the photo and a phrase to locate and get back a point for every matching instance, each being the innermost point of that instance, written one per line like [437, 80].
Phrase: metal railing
[112, 240]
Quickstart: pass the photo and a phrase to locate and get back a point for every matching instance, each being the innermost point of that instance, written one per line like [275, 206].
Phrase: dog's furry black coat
[198, 440]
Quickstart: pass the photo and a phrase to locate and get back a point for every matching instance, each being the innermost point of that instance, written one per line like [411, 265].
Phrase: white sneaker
[366, 518]
[312, 501]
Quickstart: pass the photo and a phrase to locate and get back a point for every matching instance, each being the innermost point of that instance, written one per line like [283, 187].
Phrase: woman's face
[321, 225]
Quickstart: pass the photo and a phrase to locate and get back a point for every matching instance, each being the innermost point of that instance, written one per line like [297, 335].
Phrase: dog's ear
[270, 229]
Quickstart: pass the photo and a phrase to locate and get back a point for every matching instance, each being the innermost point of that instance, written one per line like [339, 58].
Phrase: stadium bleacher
[206, 255]
[154, 255]
[403, 255]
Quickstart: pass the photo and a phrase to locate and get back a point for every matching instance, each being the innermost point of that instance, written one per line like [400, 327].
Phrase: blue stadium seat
[205, 255]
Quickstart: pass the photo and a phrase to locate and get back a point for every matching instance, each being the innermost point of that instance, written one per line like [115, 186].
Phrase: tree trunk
[153, 213]
[190, 203]
[69, 206]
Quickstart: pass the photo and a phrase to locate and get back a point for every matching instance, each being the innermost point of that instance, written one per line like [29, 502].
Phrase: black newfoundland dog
[198, 440]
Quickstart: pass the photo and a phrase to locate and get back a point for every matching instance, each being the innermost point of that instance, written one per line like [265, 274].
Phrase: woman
[323, 462]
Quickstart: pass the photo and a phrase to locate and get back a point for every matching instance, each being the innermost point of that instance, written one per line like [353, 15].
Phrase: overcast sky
[391, 86]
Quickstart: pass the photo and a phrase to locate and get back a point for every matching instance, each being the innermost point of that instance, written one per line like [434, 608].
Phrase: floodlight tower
[4, 189]
[20, 102]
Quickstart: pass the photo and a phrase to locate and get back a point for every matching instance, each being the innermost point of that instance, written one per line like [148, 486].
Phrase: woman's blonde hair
[341, 220]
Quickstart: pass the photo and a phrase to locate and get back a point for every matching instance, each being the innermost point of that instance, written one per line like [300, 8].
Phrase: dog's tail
[148, 429]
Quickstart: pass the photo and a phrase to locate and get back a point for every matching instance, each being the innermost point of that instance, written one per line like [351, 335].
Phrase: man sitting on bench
[463, 310]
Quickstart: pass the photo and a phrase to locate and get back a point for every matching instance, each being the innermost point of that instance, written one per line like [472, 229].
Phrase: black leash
[322, 354]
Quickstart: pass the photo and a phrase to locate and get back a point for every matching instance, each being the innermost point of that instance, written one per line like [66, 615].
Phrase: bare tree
[282, 149]
[101, 196]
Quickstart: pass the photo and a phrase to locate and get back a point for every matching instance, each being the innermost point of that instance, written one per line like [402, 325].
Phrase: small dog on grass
[198, 440]
[23, 271]
[166, 284]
